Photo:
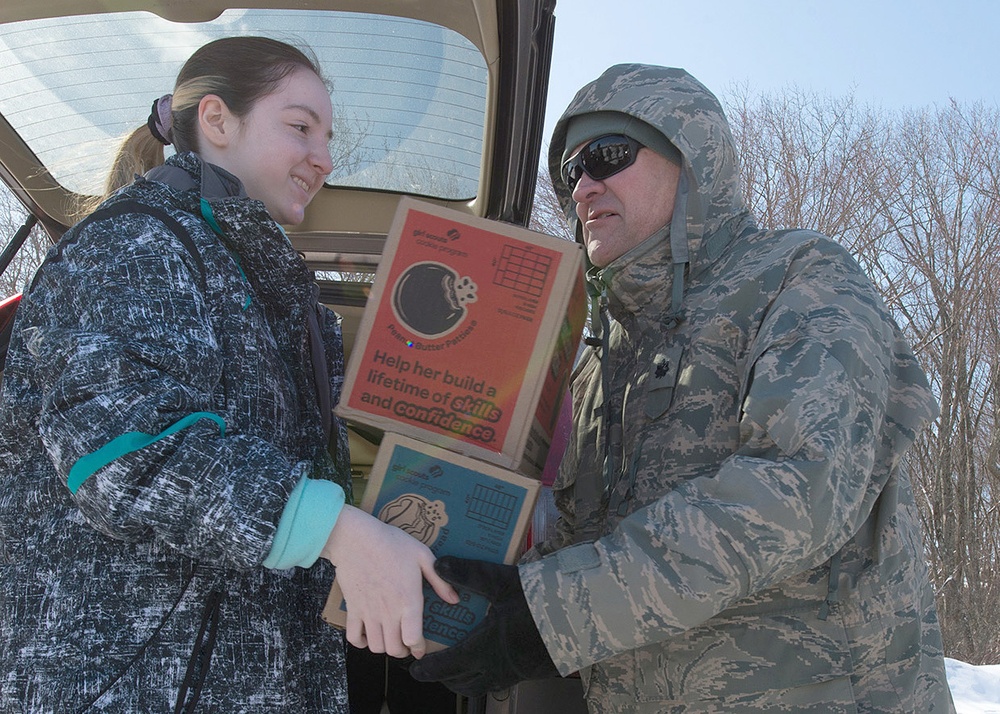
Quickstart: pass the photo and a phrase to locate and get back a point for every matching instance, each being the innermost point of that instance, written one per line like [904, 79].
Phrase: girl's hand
[380, 570]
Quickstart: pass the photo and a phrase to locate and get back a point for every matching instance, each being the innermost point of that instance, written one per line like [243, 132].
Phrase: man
[738, 532]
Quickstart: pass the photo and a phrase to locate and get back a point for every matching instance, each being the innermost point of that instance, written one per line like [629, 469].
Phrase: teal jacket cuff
[305, 524]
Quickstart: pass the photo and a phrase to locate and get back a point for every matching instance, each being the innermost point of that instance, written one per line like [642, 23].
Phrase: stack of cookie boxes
[462, 359]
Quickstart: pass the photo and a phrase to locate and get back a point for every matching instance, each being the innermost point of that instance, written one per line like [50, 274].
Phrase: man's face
[622, 210]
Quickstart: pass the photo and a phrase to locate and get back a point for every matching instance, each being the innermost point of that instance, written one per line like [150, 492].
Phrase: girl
[172, 483]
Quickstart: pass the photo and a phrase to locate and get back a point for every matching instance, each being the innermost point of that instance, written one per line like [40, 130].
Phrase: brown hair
[239, 70]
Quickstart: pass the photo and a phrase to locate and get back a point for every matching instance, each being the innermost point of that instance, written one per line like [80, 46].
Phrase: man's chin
[597, 258]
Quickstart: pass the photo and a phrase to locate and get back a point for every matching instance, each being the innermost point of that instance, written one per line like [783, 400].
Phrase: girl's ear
[218, 125]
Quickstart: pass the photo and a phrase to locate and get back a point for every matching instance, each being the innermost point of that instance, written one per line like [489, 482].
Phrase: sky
[891, 53]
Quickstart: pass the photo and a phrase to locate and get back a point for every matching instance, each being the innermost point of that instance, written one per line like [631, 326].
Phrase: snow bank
[976, 690]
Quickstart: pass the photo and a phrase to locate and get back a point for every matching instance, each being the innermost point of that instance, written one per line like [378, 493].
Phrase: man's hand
[504, 649]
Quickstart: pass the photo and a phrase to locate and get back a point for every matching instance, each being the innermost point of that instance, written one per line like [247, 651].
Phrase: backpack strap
[131, 206]
[8, 307]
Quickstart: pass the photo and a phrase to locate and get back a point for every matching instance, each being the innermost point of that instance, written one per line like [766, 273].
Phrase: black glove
[504, 649]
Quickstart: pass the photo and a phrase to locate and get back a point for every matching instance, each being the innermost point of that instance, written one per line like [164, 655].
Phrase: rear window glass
[409, 96]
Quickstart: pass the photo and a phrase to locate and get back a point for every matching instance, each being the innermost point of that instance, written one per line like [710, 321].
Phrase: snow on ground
[976, 690]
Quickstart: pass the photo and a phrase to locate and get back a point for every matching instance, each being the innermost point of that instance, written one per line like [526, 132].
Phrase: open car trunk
[440, 100]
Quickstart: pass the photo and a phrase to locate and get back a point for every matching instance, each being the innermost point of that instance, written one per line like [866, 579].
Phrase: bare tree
[915, 197]
[547, 215]
[804, 162]
[939, 199]
[12, 217]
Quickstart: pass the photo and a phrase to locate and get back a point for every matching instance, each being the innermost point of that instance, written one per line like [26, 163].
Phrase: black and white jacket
[159, 405]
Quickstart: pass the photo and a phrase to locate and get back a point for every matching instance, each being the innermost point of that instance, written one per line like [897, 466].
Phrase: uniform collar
[640, 278]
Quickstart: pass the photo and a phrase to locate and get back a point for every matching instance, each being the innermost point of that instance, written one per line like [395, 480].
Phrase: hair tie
[161, 120]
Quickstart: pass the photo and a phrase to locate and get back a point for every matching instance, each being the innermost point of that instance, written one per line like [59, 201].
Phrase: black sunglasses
[603, 157]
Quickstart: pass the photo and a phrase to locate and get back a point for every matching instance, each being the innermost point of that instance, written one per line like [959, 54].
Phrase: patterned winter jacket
[159, 407]
[754, 545]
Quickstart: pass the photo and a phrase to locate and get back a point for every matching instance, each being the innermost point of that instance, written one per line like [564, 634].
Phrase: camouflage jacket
[105, 585]
[754, 545]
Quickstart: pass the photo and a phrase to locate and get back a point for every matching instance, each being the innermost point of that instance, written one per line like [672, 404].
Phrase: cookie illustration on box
[430, 298]
[421, 518]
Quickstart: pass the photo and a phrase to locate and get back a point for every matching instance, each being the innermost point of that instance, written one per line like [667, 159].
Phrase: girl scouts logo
[430, 298]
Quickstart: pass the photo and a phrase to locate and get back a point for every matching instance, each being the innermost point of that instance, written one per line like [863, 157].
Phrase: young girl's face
[281, 151]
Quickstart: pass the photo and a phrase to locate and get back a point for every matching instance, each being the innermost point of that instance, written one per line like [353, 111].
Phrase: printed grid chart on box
[488, 505]
[522, 269]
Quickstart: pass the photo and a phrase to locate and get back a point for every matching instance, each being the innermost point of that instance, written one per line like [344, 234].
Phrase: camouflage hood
[670, 100]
